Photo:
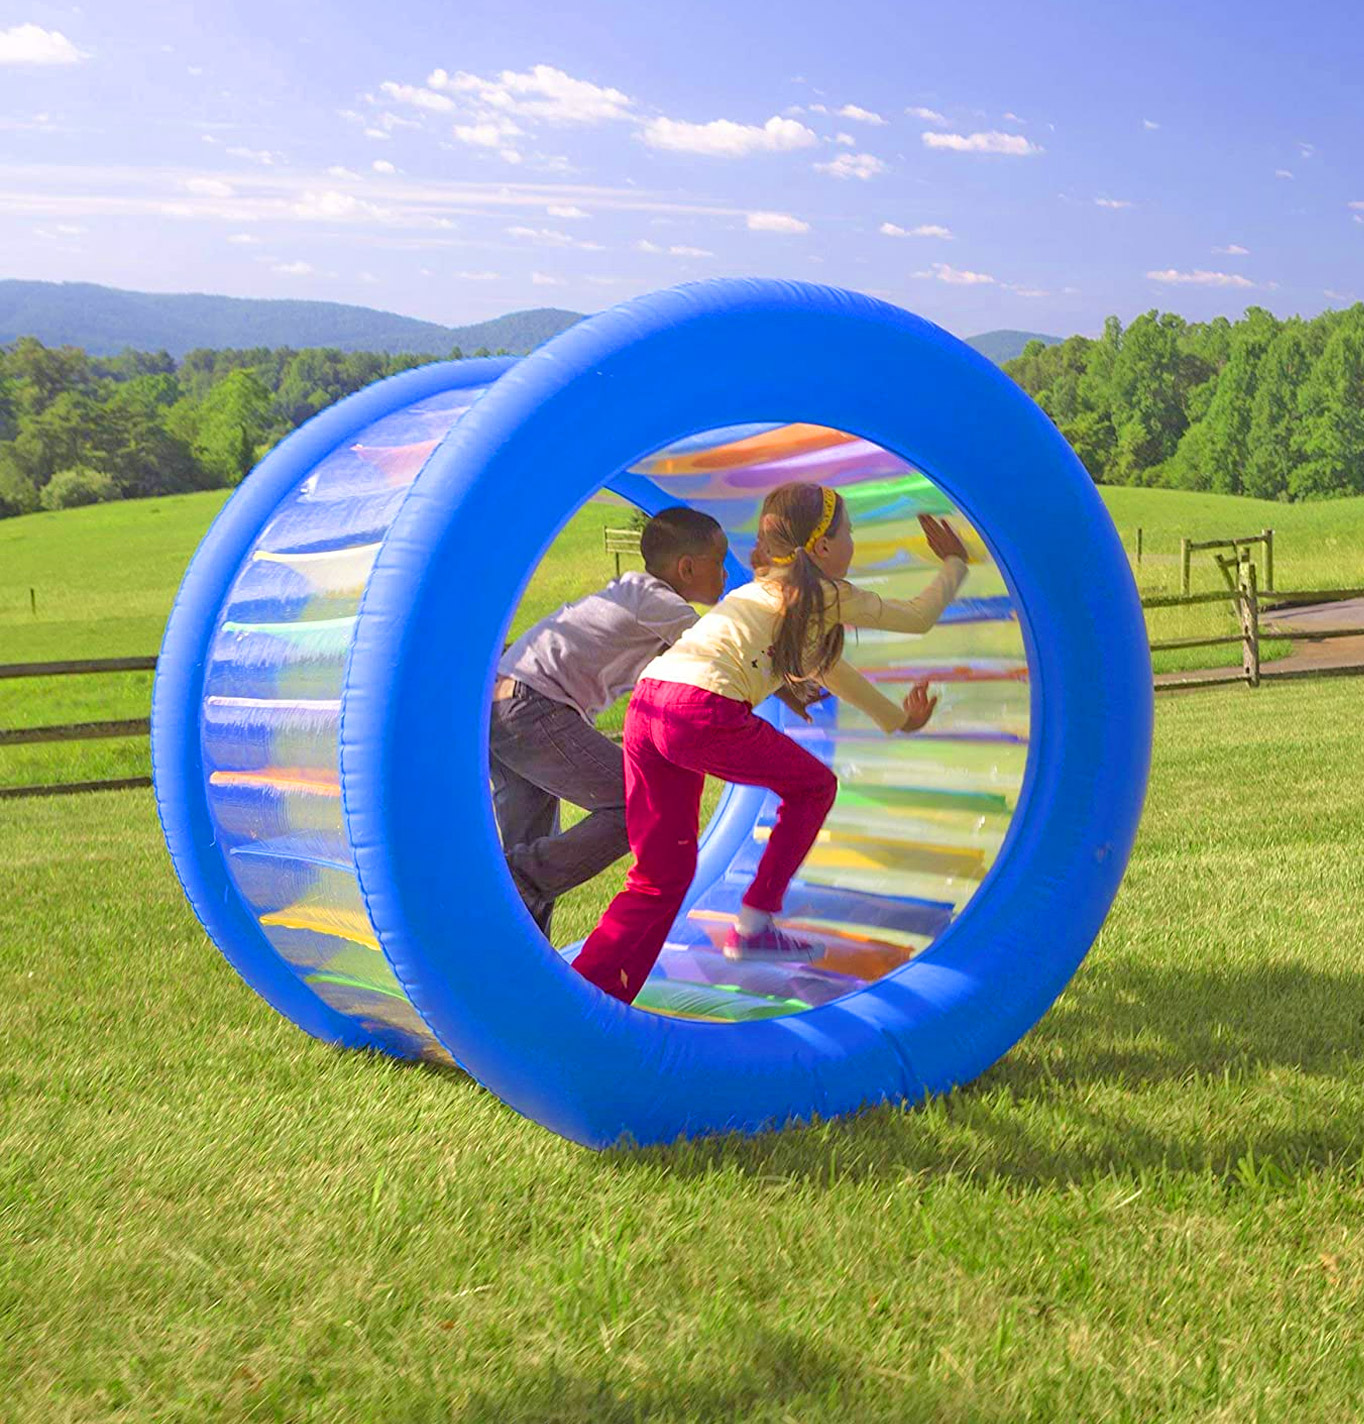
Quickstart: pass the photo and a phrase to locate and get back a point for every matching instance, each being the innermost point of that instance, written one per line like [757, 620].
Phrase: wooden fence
[1242, 591]
[75, 731]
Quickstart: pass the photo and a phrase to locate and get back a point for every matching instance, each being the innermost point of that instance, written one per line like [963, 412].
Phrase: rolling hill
[106, 320]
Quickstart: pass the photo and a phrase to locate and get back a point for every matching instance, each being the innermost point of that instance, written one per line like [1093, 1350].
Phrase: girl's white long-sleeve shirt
[729, 649]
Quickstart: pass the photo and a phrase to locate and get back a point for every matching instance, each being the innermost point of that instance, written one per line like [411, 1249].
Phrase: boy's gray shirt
[590, 652]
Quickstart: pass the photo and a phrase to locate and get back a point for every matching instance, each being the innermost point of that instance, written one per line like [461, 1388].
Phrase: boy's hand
[943, 539]
[918, 707]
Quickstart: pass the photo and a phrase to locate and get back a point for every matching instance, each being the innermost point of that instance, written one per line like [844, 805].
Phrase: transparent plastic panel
[919, 820]
[272, 700]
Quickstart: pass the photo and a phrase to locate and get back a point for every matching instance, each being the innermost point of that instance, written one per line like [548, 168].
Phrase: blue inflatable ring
[551, 431]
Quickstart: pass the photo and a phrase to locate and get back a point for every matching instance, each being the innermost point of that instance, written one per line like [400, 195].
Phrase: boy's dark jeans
[539, 752]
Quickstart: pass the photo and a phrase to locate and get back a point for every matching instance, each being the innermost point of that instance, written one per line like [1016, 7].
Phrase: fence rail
[75, 731]
[1256, 614]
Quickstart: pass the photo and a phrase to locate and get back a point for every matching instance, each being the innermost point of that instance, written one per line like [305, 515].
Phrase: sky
[983, 164]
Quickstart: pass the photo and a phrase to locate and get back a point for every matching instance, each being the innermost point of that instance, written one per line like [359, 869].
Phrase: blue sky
[987, 165]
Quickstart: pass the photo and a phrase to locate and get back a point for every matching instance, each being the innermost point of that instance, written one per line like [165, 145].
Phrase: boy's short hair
[674, 532]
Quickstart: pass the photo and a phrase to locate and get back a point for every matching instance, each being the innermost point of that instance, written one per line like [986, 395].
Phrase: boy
[555, 679]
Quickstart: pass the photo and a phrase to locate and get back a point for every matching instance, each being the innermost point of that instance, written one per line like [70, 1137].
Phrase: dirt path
[1307, 655]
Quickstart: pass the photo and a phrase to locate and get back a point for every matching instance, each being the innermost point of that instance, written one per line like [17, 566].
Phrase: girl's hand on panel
[918, 706]
[945, 542]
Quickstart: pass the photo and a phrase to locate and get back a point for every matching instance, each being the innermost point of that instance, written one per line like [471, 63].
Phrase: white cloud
[957, 276]
[477, 276]
[1282, 173]
[195, 71]
[491, 131]
[862, 116]
[776, 222]
[70, 229]
[1359, 217]
[331, 206]
[1199, 278]
[1013, 119]
[1027, 291]
[929, 116]
[263, 156]
[1308, 150]
[722, 138]
[417, 96]
[993, 142]
[677, 250]
[336, 171]
[565, 210]
[1149, 124]
[543, 279]
[382, 165]
[1114, 203]
[1338, 296]
[31, 44]
[509, 155]
[244, 239]
[293, 269]
[1233, 249]
[1358, 207]
[376, 133]
[209, 188]
[543, 92]
[846, 139]
[890, 229]
[852, 165]
[552, 237]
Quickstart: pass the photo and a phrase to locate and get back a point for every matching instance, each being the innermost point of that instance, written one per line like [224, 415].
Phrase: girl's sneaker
[771, 943]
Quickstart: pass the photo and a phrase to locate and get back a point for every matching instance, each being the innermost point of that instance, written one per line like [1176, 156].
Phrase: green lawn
[105, 578]
[1152, 1210]
[1317, 545]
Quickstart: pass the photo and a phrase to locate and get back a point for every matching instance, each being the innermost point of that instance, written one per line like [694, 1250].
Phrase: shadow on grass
[757, 1370]
[1093, 1091]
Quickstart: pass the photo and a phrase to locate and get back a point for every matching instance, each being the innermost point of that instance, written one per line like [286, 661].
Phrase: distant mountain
[104, 320]
[1002, 346]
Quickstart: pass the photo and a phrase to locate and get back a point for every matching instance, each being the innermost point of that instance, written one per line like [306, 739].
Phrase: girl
[692, 713]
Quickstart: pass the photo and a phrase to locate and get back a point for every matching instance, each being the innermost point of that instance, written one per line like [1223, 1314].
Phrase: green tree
[232, 422]
[1274, 441]
[18, 493]
[1332, 407]
[68, 489]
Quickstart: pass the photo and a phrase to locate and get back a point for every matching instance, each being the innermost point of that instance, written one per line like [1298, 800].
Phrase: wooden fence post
[33, 601]
[1184, 566]
[1248, 606]
[1269, 560]
[1138, 545]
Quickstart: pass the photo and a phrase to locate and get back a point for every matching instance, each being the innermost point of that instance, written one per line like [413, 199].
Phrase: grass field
[104, 578]
[1153, 1209]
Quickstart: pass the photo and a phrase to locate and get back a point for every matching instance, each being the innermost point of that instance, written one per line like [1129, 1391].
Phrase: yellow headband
[819, 531]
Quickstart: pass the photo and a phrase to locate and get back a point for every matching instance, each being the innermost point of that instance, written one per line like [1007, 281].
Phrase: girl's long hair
[790, 514]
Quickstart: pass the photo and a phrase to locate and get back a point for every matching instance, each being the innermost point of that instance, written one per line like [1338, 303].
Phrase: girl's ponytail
[793, 517]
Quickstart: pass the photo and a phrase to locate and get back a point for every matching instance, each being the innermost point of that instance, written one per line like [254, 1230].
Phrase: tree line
[1259, 406]
[78, 429]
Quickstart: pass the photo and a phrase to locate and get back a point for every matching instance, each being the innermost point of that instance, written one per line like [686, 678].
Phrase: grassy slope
[1315, 546]
[1151, 1210]
[105, 578]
